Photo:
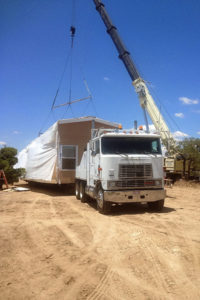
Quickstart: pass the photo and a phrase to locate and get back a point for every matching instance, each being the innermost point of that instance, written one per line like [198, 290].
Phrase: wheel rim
[77, 189]
[81, 191]
[100, 198]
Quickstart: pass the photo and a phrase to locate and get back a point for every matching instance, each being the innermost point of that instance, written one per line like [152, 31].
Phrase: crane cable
[164, 107]
[69, 59]
[57, 91]
[72, 31]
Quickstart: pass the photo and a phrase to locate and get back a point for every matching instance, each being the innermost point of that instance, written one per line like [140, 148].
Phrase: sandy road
[54, 247]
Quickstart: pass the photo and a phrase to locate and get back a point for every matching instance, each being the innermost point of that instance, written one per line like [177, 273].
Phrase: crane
[146, 101]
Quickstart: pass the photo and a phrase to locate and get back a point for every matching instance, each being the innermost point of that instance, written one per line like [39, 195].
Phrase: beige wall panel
[76, 134]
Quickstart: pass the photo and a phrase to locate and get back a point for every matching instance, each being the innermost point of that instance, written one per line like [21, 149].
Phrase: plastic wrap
[39, 157]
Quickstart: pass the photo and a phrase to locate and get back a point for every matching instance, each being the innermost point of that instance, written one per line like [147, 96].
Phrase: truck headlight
[112, 184]
[158, 182]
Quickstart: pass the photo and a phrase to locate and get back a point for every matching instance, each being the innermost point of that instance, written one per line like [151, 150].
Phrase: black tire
[77, 189]
[83, 196]
[102, 205]
[157, 205]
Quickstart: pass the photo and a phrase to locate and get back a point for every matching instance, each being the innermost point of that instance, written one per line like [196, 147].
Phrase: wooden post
[2, 175]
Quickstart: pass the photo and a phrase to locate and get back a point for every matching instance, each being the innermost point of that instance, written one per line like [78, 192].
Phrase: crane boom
[146, 100]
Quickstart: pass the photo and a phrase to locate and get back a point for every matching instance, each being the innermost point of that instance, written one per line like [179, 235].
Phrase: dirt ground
[52, 246]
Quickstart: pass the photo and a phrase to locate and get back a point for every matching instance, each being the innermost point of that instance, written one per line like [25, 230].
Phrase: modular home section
[54, 155]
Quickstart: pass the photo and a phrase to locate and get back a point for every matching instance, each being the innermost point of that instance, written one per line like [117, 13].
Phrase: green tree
[7, 160]
[189, 151]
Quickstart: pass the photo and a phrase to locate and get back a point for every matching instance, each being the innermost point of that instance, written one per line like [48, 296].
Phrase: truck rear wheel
[102, 205]
[77, 189]
[157, 205]
[83, 196]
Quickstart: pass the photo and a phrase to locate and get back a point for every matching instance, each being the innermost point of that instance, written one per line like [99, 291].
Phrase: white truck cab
[121, 167]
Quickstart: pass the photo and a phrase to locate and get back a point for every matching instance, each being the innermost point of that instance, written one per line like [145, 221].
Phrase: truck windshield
[130, 145]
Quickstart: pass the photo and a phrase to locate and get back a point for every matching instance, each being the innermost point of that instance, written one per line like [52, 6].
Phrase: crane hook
[72, 30]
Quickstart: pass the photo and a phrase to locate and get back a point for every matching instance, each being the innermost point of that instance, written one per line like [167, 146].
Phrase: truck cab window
[130, 145]
[155, 146]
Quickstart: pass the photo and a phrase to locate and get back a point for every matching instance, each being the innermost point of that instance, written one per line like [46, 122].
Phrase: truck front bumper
[134, 196]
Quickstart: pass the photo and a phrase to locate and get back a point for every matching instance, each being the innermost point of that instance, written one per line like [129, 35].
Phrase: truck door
[94, 162]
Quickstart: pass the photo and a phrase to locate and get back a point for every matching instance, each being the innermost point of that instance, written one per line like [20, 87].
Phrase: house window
[68, 157]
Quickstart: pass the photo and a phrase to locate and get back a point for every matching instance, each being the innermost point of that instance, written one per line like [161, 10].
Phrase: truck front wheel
[77, 189]
[102, 205]
[157, 205]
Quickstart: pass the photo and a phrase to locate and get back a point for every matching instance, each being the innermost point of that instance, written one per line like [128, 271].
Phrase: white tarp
[39, 157]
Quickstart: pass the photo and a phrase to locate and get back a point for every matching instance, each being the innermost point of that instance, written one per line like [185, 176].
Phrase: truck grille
[139, 183]
[135, 171]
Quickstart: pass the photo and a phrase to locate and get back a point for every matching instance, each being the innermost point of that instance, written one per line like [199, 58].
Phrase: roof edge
[86, 119]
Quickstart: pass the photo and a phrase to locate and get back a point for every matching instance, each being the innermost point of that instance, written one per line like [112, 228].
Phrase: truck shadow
[171, 197]
[137, 208]
[68, 190]
[49, 189]
[131, 209]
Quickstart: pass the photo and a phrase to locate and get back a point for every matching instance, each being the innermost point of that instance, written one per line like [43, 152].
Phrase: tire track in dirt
[102, 290]
[171, 239]
[162, 277]
[78, 267]
[55, 249]
[71, 234]
[110, 241]
[98, 248]
[115, 251]
[163, 272]
[182, 249]
[67, 250]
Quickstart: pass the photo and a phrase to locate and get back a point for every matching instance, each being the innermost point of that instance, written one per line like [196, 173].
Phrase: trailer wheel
[157, 205]
[102, 205]
[77, 189]
[83, 196]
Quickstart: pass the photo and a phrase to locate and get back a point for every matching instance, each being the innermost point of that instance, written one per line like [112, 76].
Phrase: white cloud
[106, 78]
[178, 135]
[188, 101]
[2, 143]
[151, 128]
[198, 132]
[179, 115]
[16, 132]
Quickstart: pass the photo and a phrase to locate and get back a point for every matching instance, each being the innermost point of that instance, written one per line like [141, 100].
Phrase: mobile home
[53, 156]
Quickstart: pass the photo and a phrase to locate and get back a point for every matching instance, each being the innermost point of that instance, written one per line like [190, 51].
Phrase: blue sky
[163, 37]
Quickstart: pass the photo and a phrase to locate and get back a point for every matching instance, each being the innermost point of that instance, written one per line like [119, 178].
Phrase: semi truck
[121, 166]
[125, 166]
